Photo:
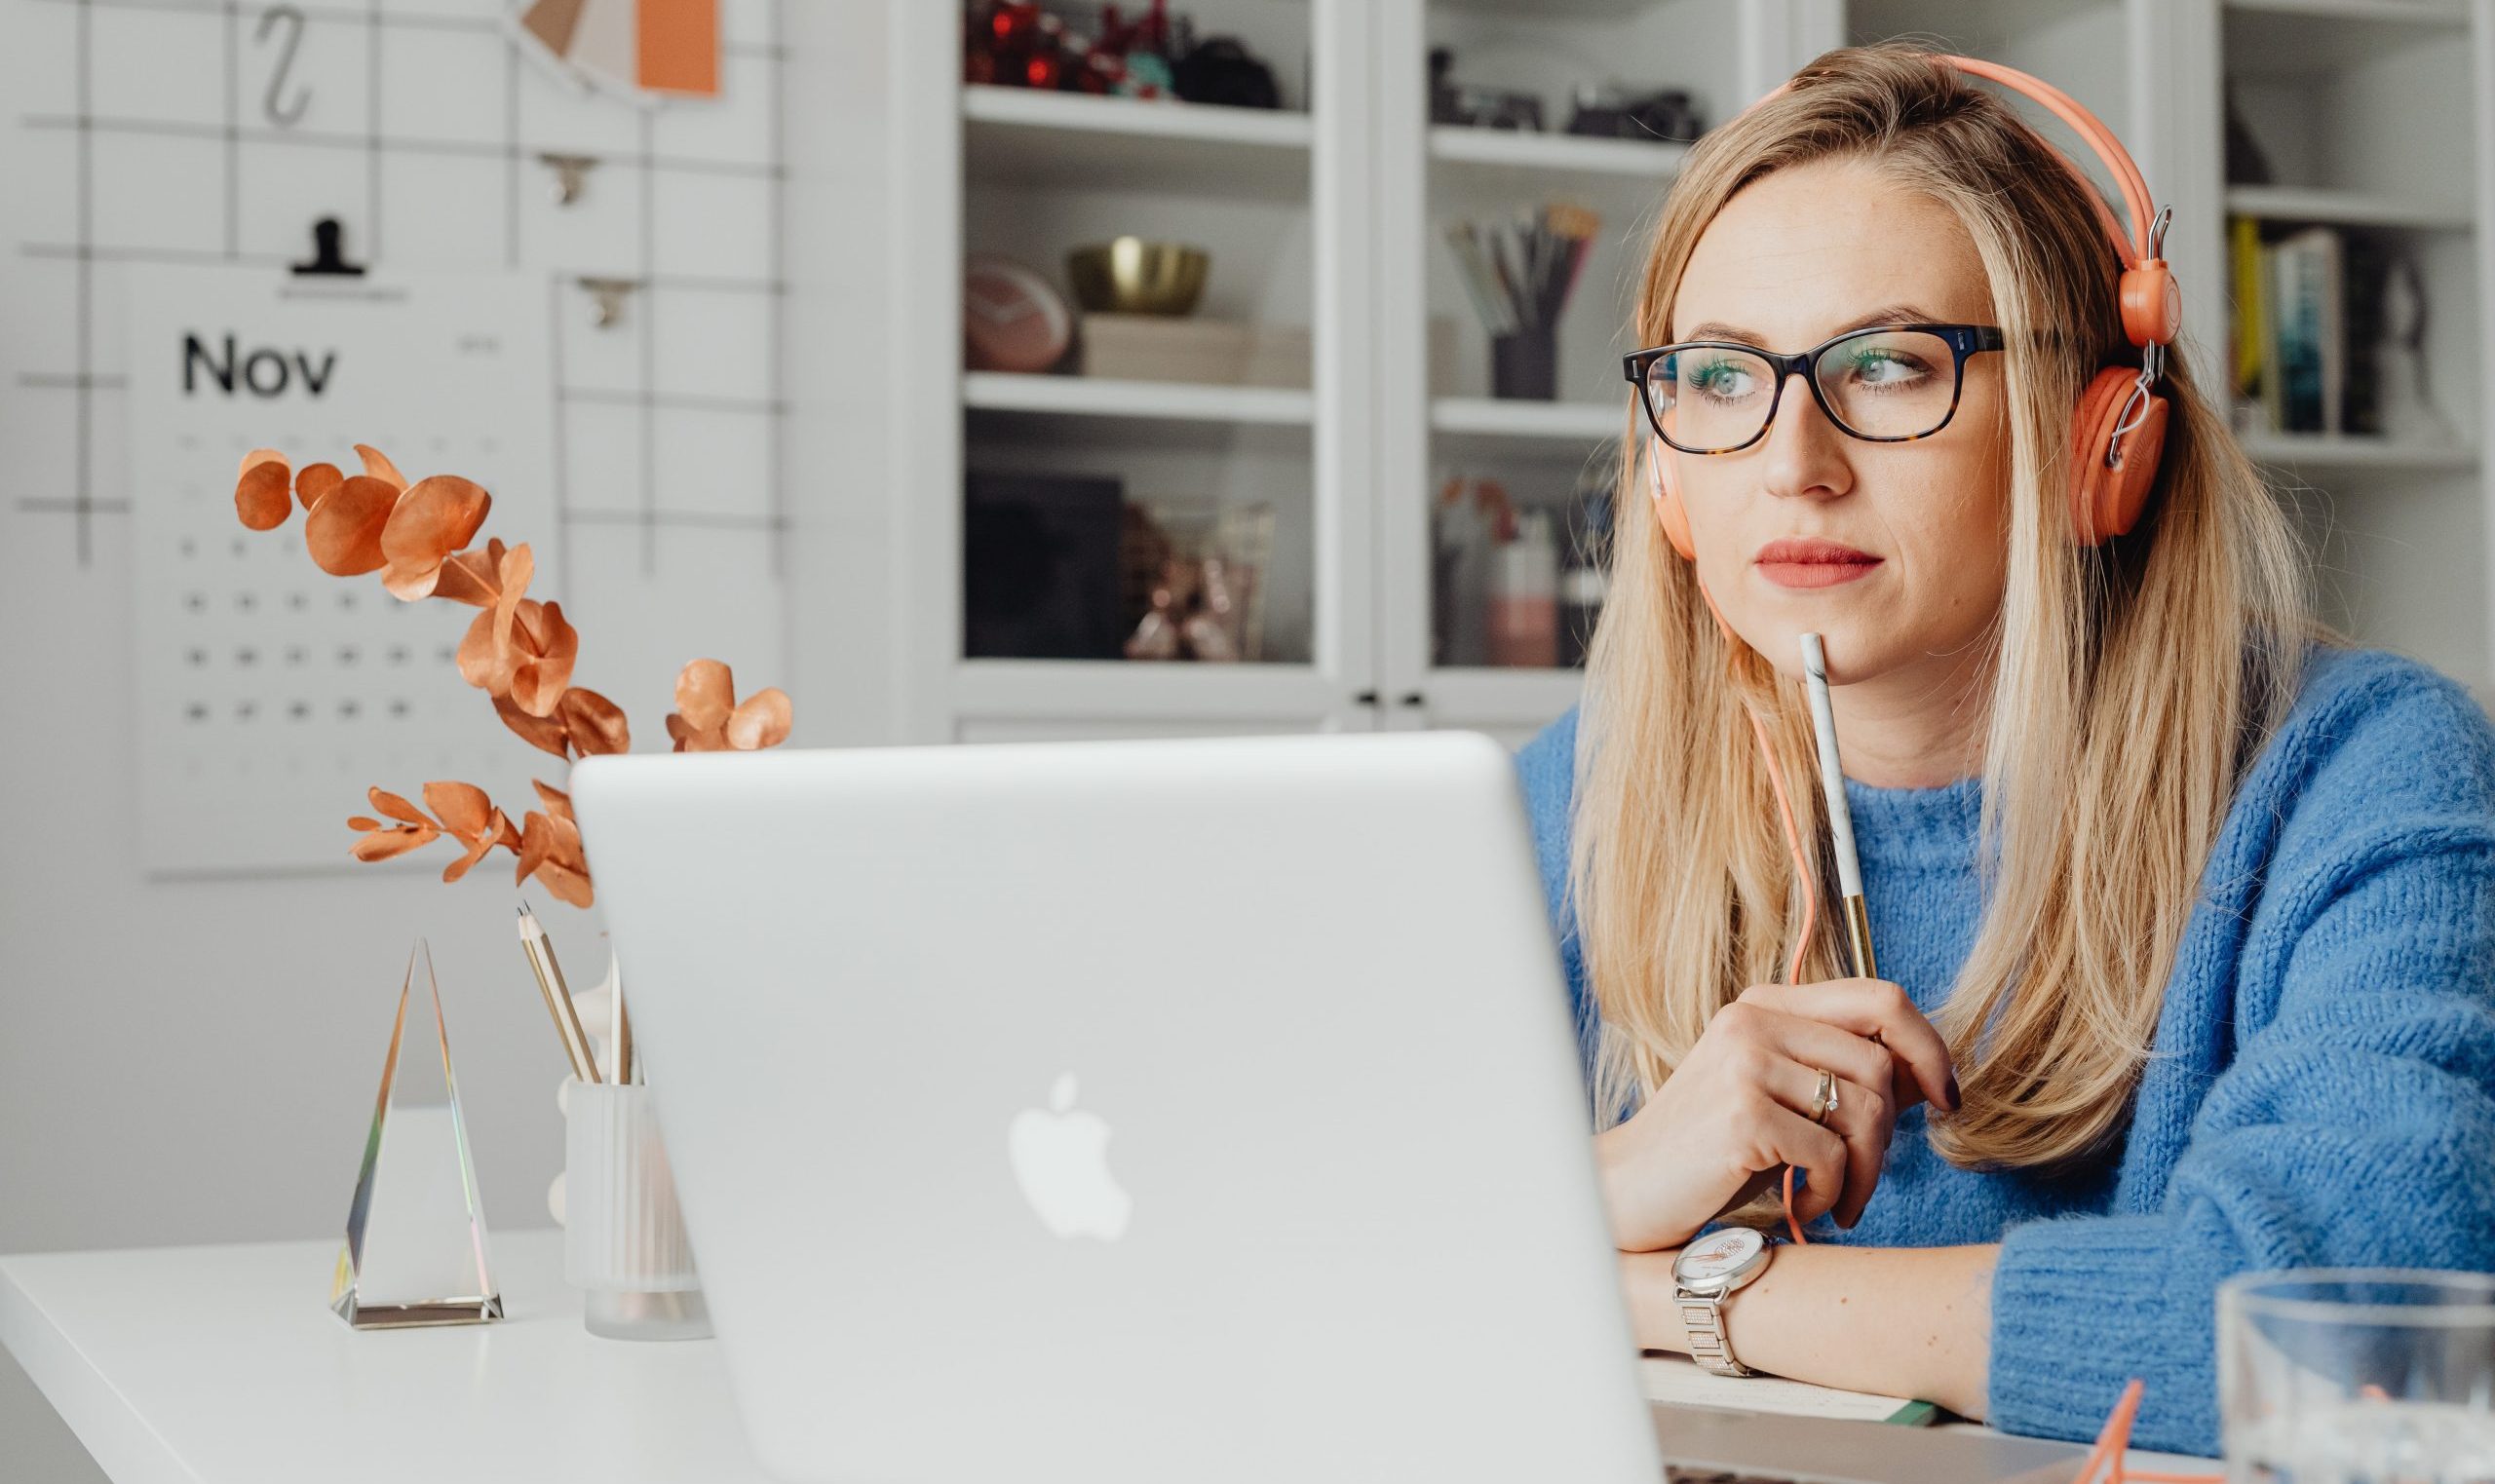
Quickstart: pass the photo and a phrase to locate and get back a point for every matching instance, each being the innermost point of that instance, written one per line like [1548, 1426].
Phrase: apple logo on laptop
[1062, 1160]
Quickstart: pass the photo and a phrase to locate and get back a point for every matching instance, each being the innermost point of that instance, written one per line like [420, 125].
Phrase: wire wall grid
[212, 130]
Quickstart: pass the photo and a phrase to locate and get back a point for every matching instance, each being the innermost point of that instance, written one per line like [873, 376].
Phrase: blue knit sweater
[2323, 1086]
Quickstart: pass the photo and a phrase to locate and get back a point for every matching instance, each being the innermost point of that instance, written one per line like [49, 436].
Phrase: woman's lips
[1798, 562]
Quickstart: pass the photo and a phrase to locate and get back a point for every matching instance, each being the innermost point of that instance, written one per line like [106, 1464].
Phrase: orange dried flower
[315, 482]
[467, 816]
[547, 734]
[261, 490]
[473, 577]
[583, 724]
[521, 650]
[343, 532]
[709, 718]
[381, 840]
[485, 657]
[546, 645]
[436, 517]
[550, 849]
[594, 723]
[518, 650]
[377, 465]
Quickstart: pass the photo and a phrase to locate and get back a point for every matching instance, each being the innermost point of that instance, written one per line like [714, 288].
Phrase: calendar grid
[84, 501]
[647, 324]
[377, 144]
[226, 127]
[233, 128]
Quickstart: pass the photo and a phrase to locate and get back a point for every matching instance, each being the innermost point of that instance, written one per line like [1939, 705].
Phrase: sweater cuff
[2081, 1304]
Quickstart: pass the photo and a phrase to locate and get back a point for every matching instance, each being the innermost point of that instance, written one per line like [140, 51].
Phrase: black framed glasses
[1887, 384]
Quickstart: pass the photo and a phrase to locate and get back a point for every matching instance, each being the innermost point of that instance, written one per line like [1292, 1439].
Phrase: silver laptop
[1115, 1112]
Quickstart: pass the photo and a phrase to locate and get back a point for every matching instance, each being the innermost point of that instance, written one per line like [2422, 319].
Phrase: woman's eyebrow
[1886, 313]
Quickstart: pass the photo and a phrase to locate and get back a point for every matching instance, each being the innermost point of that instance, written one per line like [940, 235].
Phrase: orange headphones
[2119, 430]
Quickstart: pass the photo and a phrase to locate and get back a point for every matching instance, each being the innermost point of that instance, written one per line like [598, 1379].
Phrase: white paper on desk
[1682, 1381]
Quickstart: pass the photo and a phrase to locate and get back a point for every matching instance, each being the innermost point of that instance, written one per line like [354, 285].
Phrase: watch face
[1718, 1257]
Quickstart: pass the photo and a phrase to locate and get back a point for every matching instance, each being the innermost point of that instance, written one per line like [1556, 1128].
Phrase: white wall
[194, 1060]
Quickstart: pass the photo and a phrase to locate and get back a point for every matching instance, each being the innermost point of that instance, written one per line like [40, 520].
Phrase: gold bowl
[1130, 276]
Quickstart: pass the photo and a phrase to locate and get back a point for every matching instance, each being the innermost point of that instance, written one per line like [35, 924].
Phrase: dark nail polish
[1953, 1092]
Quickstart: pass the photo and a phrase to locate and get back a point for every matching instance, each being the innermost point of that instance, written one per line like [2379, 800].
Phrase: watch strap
[1701, 1315]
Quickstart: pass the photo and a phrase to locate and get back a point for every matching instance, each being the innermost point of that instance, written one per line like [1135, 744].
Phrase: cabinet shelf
[1137, 689]
[1547, 155]
[1171, 400]
[2318, 450]
[1508, 420]
[1014, 136]
[2354, 209]
[2451, 13]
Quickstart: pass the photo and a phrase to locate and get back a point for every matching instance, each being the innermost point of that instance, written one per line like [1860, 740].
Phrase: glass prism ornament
[415, 1247]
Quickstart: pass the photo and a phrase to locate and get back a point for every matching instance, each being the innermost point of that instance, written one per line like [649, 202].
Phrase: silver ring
[1823, 1100]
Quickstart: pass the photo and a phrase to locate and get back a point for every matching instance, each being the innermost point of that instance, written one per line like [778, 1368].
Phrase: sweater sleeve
[2355, 1124]
[1546, 769]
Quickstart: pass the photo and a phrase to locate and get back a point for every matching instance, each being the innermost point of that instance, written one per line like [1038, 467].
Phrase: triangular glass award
[415, 1247]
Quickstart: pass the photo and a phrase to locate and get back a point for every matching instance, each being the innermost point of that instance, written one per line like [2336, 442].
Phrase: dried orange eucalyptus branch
[519, 651]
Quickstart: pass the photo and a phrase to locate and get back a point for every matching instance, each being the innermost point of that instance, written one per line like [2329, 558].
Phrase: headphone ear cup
[1667, 497]
[2107, 501]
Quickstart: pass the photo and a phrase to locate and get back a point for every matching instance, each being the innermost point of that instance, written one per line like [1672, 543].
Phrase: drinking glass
[2358, 1376]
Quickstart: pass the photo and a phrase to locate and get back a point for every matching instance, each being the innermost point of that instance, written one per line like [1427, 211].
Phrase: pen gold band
[559, 1004]
[1858, 938]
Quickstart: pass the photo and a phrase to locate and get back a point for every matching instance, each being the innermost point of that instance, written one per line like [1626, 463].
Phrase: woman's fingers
[1862, 1119]
[1865, 1008]
[1818, 1044]
[1787, 1137]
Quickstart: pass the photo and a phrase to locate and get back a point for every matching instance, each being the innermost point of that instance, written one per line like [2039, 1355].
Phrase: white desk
[223, 1365]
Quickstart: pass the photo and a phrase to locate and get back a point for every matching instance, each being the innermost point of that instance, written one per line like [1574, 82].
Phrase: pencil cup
[624, 1241]
[1525, 366]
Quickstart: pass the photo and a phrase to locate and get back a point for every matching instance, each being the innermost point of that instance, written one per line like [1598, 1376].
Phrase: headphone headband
[2138, 247]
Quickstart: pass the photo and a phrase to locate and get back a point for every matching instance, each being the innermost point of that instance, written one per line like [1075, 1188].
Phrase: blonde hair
[2131, 683]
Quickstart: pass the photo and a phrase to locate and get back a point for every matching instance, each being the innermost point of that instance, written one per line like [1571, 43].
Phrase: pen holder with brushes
[1524, 364]
[624, 1241]
[1519, 271]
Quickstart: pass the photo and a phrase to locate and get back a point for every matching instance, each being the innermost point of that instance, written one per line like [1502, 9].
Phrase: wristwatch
[1707, 1272]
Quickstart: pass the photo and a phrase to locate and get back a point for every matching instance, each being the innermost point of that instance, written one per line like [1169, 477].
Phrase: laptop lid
[1124, 1111]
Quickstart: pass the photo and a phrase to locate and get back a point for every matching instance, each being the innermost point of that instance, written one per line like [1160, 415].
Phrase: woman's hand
[1737, 1106]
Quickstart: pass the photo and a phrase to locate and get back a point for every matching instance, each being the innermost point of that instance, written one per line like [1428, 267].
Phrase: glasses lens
[1889, 383]
[1707, 398]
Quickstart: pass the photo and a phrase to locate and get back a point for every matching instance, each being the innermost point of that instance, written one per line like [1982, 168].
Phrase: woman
[2185, 912]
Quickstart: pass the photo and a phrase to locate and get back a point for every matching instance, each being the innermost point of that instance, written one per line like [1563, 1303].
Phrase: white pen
[1849, 869]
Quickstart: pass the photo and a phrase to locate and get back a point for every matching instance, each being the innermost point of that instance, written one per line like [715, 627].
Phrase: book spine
[2274, 411]
[2329, 261]
[2243, 242]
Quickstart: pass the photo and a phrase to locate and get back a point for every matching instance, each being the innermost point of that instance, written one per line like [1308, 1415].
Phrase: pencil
[619, 1031]
[540, 950]
[1849, 869]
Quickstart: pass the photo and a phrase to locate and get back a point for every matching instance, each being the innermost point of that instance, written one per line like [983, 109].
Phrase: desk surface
[224, 1365]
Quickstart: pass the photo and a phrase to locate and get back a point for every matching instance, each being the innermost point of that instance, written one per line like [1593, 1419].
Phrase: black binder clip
[328, 256]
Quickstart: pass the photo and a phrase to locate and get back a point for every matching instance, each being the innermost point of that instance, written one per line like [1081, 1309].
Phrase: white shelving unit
[1327, 213]
[2377, 116]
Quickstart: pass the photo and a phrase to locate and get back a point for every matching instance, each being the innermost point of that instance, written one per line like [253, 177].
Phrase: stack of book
[2308, 316]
